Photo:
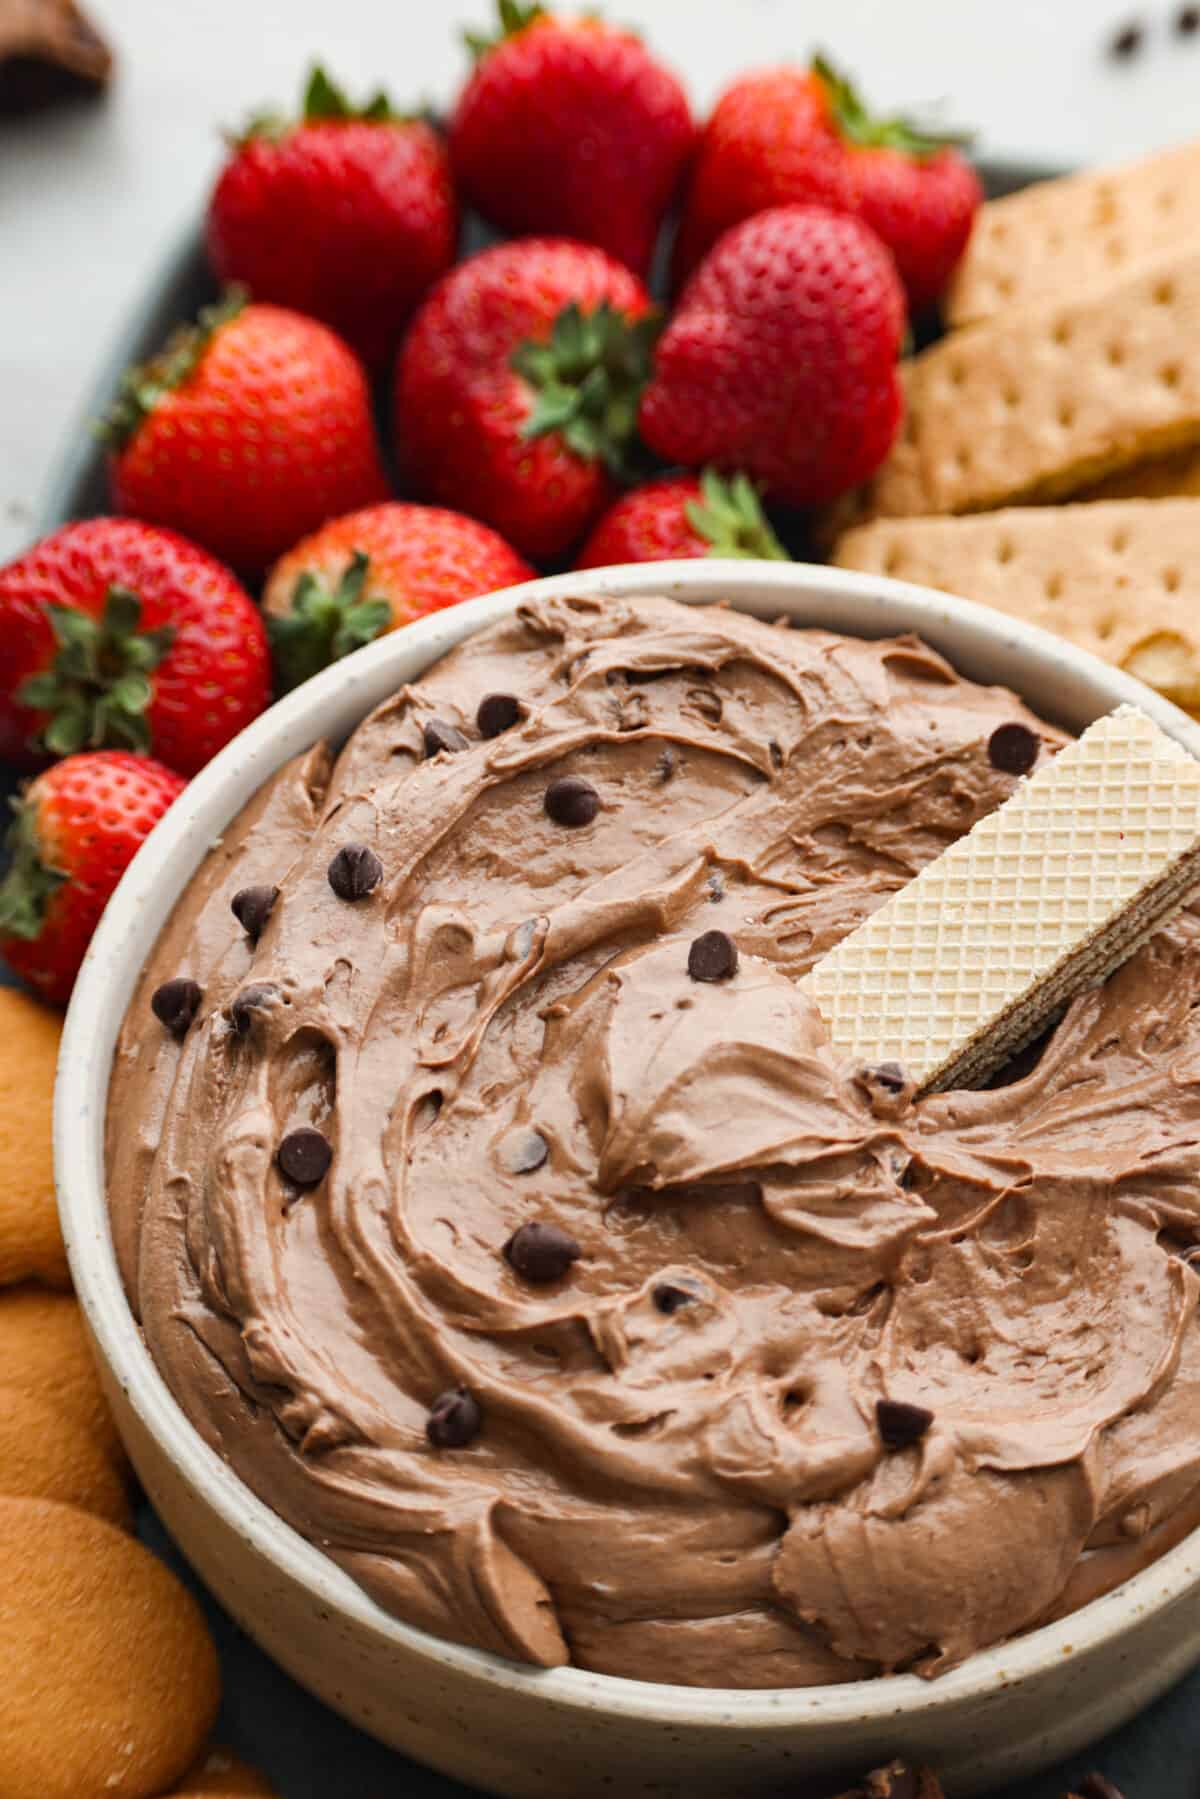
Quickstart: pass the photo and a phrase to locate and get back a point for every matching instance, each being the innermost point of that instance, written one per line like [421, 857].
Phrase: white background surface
[91, 199]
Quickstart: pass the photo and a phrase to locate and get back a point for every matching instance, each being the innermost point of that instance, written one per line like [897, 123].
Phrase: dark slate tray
[307, 1750]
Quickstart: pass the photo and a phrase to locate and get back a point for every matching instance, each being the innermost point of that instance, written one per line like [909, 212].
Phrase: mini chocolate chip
[522, 1151]
[776, 752]
[716, 887]
[668, 1298]
[1097, 1786]
[900, 1423]
[439, 736]
[355, 871]
[713, 956]
[666, 765]
[304, 1156]
[498, 712]
[175, 1004]
[252, 907]
[1013, 749]
[455, 1419]
[1127, 41]
[888, 1075]
[251, 1000]
[572, 801]
[541, 1252]
[1187, 21]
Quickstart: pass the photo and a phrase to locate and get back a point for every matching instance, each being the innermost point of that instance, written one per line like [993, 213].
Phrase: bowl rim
[167, 861]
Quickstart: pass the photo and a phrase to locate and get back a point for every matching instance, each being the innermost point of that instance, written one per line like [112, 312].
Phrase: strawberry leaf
[96, 690]
[511, 17]
[587, 379]
[325, 623]
[29, 885]
[144, 385]
[730, 519]
[856, 124]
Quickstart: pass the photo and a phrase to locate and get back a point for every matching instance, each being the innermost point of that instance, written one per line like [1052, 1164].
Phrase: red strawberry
[366, 574]
[781, 358]
[517, 386]
[683, 515]
[569, 126]
[246, 432]
[76, 830]
[791, 135]
[118, 633]
[347, 215]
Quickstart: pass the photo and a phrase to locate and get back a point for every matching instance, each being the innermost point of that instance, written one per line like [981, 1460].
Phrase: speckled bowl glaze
[510, 1729]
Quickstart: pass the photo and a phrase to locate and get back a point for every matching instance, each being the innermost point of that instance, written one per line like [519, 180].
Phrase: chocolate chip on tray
[498, 712]
[175, 1005]
[455, 1419]
[441, 737]
[1013, 749]
[572, 801]
[713, 956]
[900, 1423]
[355, 871]
[541, 1252]
[304, 1156]
[1187, 21]
[1127, 40]
[252, 906]
[49, 50]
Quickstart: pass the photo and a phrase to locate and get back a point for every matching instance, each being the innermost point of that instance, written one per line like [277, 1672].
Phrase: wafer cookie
[1056, 238]
[1050, 399]
[1041, 899]
[1121, 580]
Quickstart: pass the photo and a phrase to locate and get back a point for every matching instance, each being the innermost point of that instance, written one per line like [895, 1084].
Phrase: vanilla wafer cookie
[1041, 899]
[1044, 401]
[1121, 580]
[1053, 239]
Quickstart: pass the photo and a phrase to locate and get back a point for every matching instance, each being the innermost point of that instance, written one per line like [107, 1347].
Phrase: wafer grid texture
[1040, 900]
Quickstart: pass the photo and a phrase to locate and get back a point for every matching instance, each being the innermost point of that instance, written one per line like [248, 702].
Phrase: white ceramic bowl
[508, 1728]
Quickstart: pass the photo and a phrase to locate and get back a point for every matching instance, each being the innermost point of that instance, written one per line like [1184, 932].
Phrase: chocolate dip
[542, 1265]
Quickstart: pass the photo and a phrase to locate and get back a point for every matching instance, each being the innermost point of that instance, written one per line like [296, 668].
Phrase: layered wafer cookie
[1041, 899]
[1057, 238]
[1044, 401]
[1121, 580]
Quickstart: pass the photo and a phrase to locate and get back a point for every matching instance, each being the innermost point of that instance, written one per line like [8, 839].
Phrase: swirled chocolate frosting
[502, 1217]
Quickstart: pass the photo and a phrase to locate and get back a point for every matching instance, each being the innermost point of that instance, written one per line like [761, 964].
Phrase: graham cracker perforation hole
[1164, 200]
[1171, 579]
[1164, 293]
[1119, 541]
[1062, 331]
[1004, 286]
[1170, 375]
[1004, 550]
[1116, 355]
[1066, 414]
[1114, 250]
[1106, 627]
[894, 560]
[1012, 398]
[1054, 586]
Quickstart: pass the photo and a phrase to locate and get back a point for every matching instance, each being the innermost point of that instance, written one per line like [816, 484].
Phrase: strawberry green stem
[730, 518]
[97, 689]
[587, 380]
[144, 385]
[325, 623]
[29, 885]
[857, 125]
[511, 17]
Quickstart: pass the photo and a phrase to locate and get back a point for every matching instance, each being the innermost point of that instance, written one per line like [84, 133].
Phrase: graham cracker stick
[1057, 238]
[1041, 899]
[1044, 401]
[1120, 579]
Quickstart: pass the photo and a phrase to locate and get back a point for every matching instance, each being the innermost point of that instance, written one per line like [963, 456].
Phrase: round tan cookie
[111, 1681]
[219, 1774]
[44, 1350]
[31, 1242]
[47, 1454]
